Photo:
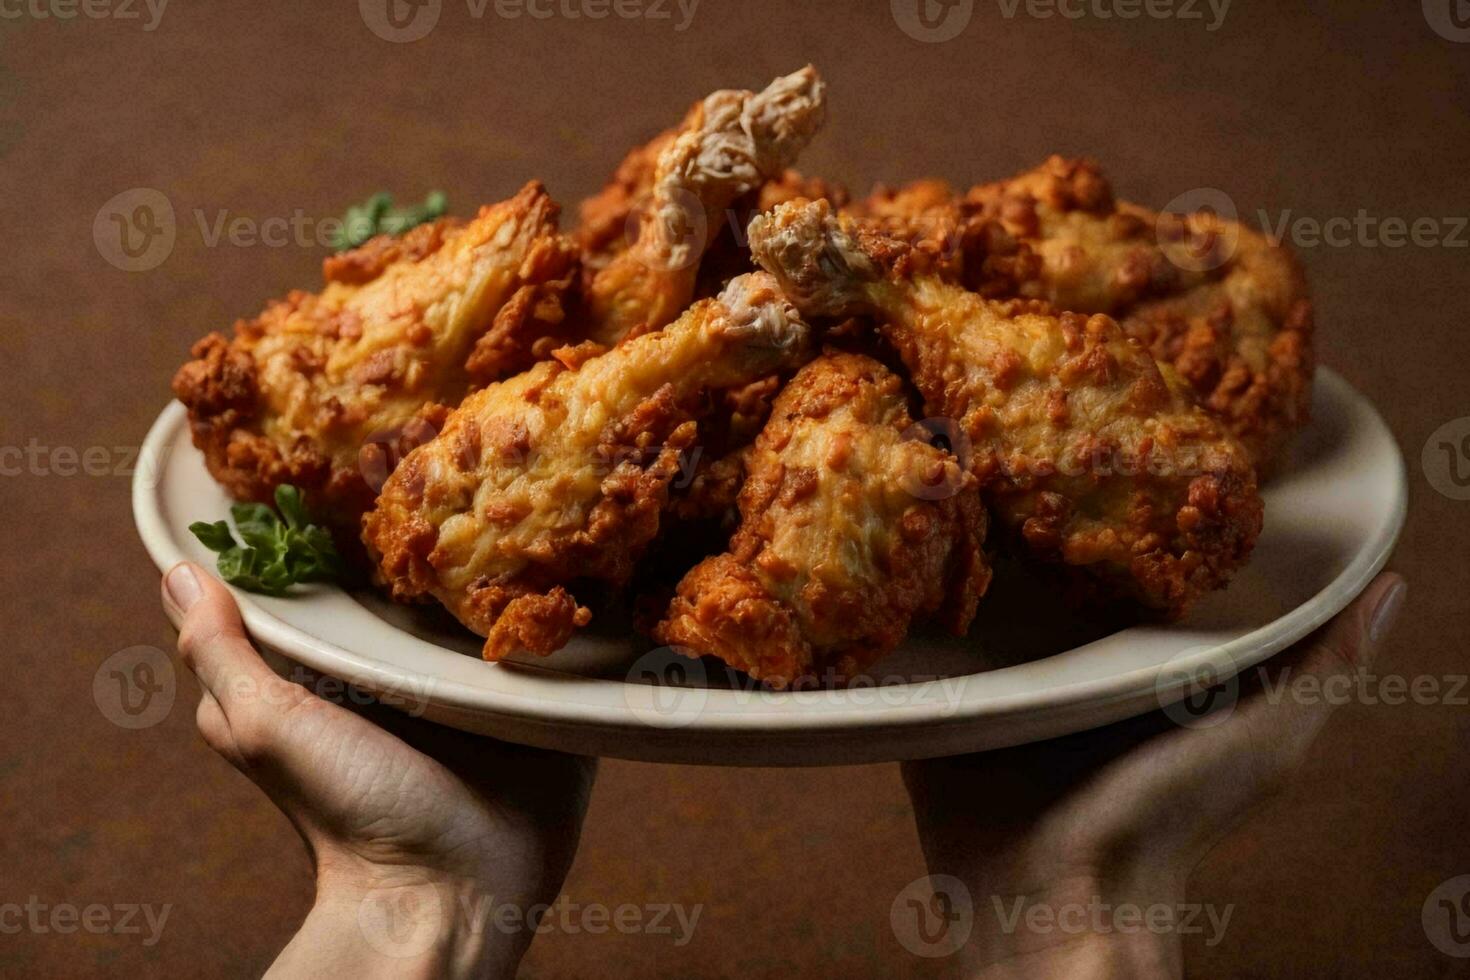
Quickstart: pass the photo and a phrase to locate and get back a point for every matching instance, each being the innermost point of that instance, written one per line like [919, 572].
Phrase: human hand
[399, 815]
[1120, 816]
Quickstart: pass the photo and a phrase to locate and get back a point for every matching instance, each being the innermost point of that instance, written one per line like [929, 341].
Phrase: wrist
[398, 922]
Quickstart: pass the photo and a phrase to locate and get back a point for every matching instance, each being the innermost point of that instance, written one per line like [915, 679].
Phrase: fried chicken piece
[561, 473]
[326, 390]
[1243, 341]
[852, 526]
[729, 145]
[1220, 302]
[1089, 455]
[602, 232]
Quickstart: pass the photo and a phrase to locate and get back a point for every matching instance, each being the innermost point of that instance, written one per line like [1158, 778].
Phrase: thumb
[239, 688]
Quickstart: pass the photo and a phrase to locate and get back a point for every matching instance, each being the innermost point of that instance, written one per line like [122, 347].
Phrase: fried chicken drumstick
[679, 188]
[1089, 456]
[562, 472]
[1221, 303]
[851, 527]
[322, 389]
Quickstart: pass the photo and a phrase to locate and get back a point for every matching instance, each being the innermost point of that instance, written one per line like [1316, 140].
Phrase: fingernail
[183, 586]
[1387, 612]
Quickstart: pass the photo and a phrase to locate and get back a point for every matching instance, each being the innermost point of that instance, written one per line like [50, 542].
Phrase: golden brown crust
[852, 526]
[793, 185]
[1244, 342]
[328, 390]
[1056, 233]
[562, 474]
[373, 257]
[1089, 455]
[1221, 303]
[539, 623]
[926, 216]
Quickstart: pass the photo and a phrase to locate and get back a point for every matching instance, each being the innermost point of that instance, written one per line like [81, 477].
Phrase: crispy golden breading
[1243, 342]
[925, 215]
[1056, 233]
[793, 185]
[561, 473]
[851, 527]
[1089, 455]
[323, 390]
[729, 145]
[1220, 302]
[919, 212]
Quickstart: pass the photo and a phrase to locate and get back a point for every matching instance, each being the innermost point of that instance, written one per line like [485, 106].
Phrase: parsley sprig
[378, 216]
[276, 554]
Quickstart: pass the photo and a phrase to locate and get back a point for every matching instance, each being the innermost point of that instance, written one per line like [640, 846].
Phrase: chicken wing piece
[562, 472]
[322, 390]
[729, 145]
[852, 525]
[1220, 302]
[605, 217]
[1089, 455]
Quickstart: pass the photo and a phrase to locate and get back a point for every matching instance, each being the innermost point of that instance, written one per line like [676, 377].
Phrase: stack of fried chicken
[863, 397]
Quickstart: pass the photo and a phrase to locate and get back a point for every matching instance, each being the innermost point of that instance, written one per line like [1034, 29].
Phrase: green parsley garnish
[378, 216]
[276, 554]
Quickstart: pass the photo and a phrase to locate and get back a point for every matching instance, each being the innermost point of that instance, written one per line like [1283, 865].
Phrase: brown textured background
[261, 109]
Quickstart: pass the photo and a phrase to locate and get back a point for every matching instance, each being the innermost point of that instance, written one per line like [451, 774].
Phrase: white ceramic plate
[1027, 671]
